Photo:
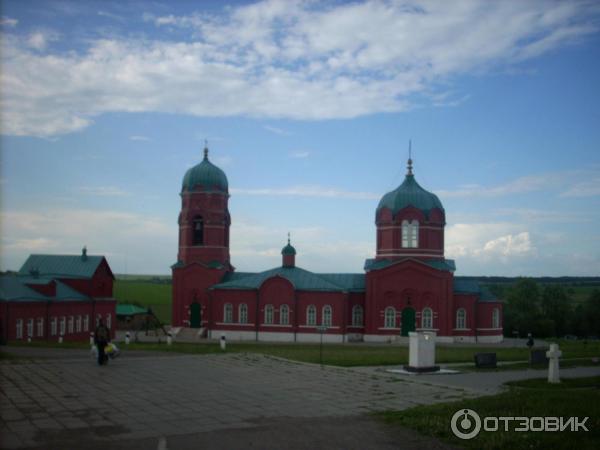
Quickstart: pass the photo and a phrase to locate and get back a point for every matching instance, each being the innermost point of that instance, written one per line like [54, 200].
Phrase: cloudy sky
[308, 107]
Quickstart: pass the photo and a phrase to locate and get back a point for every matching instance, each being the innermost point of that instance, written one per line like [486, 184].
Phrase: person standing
[101, 338]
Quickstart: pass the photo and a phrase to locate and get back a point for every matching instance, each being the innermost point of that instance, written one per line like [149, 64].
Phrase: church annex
[409, 285]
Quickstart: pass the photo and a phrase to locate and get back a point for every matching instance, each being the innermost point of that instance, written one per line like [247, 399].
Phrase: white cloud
[307, 191]
[139, 138]
[8, 22]
[145, 242]
[509, 245]
[586, 188]
[104, 191]
[276, 130]
[280, 59]
[300, 154]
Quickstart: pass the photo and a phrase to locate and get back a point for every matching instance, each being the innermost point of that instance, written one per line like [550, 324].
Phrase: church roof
[439, 264]
[410, 193]
[68, 266]
[205, 176]
[126, 309]
[301, 279]
[470, 286]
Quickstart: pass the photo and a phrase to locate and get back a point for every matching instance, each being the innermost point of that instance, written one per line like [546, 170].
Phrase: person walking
[101, 338]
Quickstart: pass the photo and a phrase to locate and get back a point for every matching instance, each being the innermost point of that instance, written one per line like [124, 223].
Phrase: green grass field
[146, 293]
[530, 398]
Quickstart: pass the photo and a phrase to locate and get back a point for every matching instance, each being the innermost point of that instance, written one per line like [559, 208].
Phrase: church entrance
[408, 321]
[195, 314]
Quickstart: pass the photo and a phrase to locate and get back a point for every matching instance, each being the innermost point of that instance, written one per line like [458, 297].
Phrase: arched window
[357, 316]
[410, 234]
[284, 315]
[326, 316]
[228, 313]
[311, 315]
[198, 230]
[243, 313]
[427, 318]
[269, 314]
[495, 318]
[461, 318]
[390, 317]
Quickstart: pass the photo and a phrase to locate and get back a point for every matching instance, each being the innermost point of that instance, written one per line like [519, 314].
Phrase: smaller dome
[206, 175]
[288, 250]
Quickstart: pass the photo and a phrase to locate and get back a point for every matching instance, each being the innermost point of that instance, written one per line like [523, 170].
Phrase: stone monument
[553, 368]
[421, 352]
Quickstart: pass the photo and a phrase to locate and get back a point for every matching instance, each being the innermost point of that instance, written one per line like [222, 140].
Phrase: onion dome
[205, 177]
[288, 249]
[410, 193]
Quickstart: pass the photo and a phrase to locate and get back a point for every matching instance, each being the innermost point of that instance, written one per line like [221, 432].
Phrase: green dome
[206, 175]
[409, 193]
[288, 250]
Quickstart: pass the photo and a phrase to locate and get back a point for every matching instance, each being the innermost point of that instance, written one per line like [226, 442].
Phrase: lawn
[155, 295]
[529, 398]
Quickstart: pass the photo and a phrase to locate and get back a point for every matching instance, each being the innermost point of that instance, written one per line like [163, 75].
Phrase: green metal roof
[126, 309]
[470, 286]
[301, 279]
[14, 288]
[410, 193]
[439, 264]
[288, 250]
[73, 266]
[205, 177]
[353, 282]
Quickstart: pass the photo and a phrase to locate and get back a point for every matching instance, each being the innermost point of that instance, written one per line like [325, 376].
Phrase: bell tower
[204, 220]
[203, 252]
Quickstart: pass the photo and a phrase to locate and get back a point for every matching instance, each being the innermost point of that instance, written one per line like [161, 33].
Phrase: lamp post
[322, 329]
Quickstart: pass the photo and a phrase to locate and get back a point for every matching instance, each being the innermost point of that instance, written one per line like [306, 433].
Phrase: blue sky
[308, 107]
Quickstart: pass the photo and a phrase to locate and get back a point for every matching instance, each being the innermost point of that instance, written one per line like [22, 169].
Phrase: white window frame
[389, 317]
[40, 327]
[311, 315]
[78, 324]
[53, 326]
[357, 316]
[63, 325]
[284, 315]
[19, 329]
[30, 327]
[410, 234]
[243, 313]
[427, 318]
[71, 325]
[269, 313]
[86, 322]
[495, 318]
[326, 316]
[228, 313]
[461, 319]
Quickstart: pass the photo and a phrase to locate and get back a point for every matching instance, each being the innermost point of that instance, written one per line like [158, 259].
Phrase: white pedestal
[421, 352]
[553, 367]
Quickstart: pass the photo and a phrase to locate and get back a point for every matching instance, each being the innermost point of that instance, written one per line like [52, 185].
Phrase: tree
[522, 308]
[592, 313]
[556, 306]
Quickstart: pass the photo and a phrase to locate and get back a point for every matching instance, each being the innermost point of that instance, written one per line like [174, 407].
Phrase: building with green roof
[407, 286]
[56, 297]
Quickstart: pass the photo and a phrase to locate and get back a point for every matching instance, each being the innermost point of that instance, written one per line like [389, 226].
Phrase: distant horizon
[308, 107]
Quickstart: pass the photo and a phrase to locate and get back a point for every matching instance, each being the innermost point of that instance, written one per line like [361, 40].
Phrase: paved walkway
[61, 399]
[67, 400]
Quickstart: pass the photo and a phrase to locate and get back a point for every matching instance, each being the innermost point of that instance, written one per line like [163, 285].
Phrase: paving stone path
[62, 402]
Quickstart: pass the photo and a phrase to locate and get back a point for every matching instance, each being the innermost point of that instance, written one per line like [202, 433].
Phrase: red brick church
[409, 285]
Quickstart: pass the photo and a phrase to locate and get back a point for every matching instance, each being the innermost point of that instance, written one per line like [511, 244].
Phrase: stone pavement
[66, 401]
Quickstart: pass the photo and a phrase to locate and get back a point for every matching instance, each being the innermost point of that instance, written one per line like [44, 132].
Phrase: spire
[288, 238]
[205, 149]
[84, 253]
[409, 167]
